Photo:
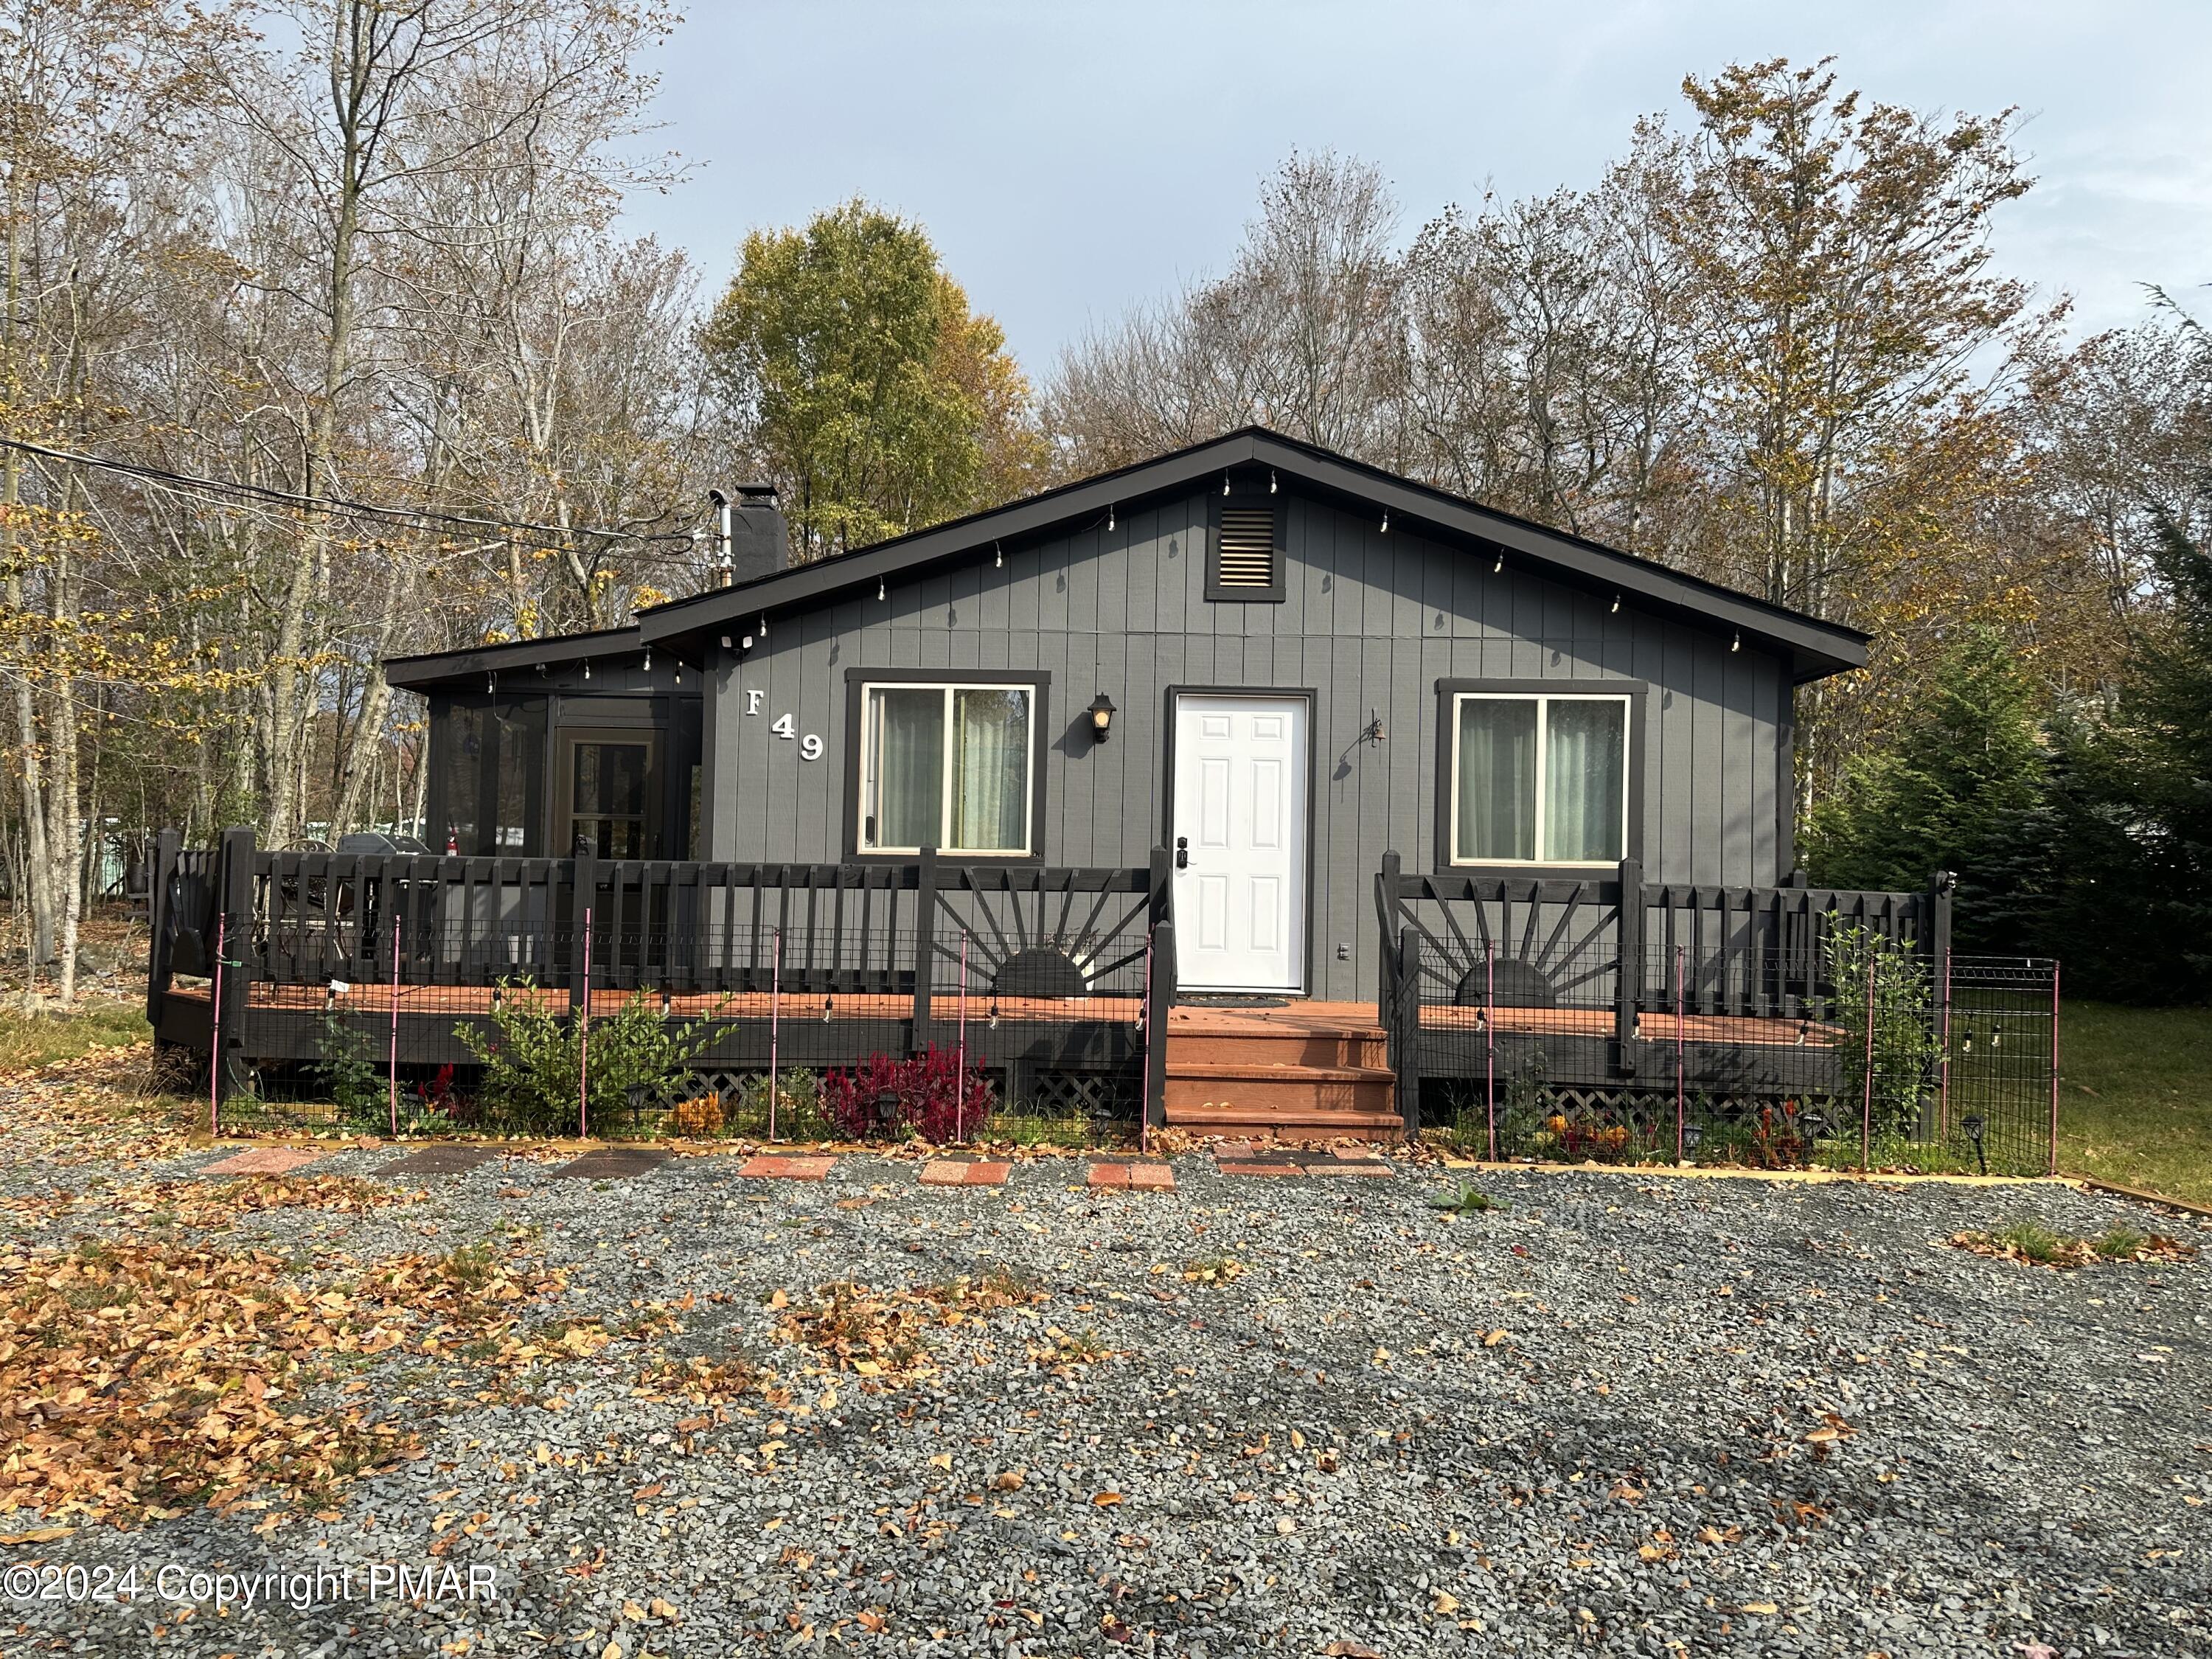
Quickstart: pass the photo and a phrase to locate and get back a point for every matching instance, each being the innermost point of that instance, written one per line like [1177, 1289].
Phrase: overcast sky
[1073, 160]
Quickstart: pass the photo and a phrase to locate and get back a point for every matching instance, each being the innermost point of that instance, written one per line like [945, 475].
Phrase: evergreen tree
[1949, 792]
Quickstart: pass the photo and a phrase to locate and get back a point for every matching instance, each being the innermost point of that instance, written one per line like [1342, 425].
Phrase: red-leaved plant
[928, 1094]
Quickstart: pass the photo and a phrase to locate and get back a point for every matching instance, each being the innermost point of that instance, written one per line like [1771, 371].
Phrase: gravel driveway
[1624, 1414]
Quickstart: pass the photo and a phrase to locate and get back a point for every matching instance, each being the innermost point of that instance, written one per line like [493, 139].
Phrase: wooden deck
[1290, 1019]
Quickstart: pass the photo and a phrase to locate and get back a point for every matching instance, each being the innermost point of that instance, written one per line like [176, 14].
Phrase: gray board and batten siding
[1371, 621]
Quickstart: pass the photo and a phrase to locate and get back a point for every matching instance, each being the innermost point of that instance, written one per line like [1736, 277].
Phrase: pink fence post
[960, 1059]
[2050, 1160]
[1943, 1063]
[392, 1060]
[1490, 1040]
[1681, 1087]
[1144, 1024]
[1866, 1109]
[215, 1031]
[775, 1019]
[584, 1040]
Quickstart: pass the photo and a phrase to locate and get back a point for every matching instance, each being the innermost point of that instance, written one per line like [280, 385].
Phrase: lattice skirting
[1443, 1100]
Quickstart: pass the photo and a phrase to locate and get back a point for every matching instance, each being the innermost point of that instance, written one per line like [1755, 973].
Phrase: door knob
[1183, 852]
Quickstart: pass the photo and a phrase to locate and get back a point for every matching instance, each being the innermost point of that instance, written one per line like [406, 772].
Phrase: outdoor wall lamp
[1101, 717]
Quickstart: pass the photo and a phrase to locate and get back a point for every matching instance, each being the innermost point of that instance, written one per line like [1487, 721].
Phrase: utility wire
[417, 515]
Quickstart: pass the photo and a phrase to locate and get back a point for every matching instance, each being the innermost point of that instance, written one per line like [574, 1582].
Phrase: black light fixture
[1101, 717]
[1376, 732]
[1972, 1123]
[887, 1106]
[1692, 1134]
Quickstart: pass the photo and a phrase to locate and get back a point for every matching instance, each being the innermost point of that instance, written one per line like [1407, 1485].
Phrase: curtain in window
[990, 770]
[1497, 779]
[1585, 768]
[908, 801]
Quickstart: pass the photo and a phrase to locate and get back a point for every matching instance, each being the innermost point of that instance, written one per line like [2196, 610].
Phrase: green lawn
[2135, 1096]
[35, 1039]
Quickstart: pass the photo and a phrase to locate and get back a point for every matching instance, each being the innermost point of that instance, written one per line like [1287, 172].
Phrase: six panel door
[1240, 786]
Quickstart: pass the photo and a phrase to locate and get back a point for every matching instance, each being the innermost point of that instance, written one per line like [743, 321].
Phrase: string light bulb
[882, 593]
[648, 659]
[1386, 524]
[1271, 481]
[1498, 566]
[998, 556]
[1735, 642]
[1225, 484]
[1616, 604]
[763, 630]
[1109, 517]
[587, 668]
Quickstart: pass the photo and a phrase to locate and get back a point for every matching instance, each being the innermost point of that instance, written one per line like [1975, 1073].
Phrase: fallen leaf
[1105, 1500]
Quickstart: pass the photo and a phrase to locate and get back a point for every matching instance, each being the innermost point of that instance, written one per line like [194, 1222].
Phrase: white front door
[1239, 838]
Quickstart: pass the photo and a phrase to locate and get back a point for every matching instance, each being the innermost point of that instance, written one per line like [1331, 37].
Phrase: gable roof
[1814, 648]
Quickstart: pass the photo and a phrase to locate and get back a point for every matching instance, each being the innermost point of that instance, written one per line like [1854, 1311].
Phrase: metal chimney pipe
[722, 561]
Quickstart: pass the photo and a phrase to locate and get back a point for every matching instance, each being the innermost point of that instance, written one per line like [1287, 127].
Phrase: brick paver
[611, 1163]
[1258, 1169]
[263, 1160]
[956, 1172]
[437, 1160]
[772, 1166]
[1147, 1177]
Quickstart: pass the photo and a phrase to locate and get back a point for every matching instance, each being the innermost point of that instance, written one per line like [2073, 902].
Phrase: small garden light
[1972, 1123]
[1692, 1134]
[1101, 717]
[887, 1106]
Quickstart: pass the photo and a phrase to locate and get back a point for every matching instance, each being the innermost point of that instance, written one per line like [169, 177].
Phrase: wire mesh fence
[1876, 1056]
[753, 1031]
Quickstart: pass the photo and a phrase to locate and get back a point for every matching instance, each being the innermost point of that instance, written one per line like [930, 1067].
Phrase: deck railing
[888, 953]
[1613, 948]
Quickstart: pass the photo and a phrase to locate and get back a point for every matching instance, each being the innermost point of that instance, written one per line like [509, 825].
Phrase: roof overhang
[1814, 648]
[440, 667]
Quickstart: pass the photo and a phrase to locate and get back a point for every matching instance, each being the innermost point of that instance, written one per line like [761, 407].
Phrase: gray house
[1249, 782]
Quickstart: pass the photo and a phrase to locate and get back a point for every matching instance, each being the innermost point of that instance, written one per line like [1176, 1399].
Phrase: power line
[506, 529]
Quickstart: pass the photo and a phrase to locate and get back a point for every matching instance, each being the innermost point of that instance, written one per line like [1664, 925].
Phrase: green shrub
[348, 1067]
[1887, 979]
[532, 1059]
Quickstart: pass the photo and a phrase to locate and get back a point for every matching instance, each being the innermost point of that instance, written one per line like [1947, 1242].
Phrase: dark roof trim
[1815, 648]
[437, 668]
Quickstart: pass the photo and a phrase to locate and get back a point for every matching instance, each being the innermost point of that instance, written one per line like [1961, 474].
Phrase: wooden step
[1279, 1091]
[1284, 1048]
[1288, 1125]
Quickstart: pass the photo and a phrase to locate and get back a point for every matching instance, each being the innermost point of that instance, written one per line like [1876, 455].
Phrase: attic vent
[1248, 546]
[1247, 564]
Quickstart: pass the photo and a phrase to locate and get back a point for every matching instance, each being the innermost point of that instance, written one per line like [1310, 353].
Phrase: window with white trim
[948, 766]
[1539, 779]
